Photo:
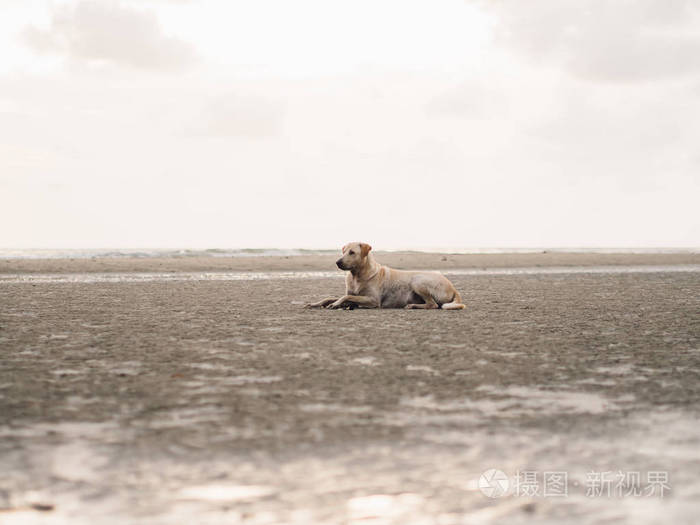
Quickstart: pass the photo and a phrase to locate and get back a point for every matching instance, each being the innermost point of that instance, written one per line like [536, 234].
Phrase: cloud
[97, 32]
[599, 40]
[236, 115]
[469, 100]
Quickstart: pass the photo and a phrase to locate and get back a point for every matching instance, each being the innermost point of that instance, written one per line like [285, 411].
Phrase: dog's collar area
[372, 276]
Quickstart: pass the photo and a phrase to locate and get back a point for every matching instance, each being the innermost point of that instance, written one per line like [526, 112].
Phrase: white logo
[493, 483]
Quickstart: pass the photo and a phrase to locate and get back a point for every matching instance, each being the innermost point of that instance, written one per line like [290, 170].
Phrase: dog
[372, 285]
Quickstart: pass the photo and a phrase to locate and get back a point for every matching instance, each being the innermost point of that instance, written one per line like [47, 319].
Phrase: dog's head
[354, 255]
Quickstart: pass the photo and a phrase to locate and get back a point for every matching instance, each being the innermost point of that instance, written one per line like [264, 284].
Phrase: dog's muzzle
[339, 264]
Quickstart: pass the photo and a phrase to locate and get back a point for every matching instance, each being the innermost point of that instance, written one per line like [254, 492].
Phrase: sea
[78, 253]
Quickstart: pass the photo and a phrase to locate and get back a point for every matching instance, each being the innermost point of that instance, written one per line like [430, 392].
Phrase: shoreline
[314, 263]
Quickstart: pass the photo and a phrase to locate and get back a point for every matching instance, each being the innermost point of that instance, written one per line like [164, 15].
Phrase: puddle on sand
[209, 366]
[208, 385]
[531, 399]
[69, 430]
[420, 368]
[598, 382]
[127, 368]
[66, 372]
[334, 407]
[136, 277]
[245, 380]
[225, 493]
[431, 477]
[367, 361]
[77, 461]
[617, 370]
[186, 416]
[507, 402]
[384, 506]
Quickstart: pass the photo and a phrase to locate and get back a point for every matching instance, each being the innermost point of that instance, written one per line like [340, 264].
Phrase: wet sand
[400, 260]
[211, 402]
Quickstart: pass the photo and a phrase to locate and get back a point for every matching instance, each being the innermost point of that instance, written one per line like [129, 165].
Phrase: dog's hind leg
[424, 293]
[423, 306]
[455, 304]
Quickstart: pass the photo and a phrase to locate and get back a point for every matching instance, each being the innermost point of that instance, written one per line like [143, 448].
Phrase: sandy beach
[227, 402]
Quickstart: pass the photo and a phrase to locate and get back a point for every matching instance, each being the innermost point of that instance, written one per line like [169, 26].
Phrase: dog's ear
[365, 248]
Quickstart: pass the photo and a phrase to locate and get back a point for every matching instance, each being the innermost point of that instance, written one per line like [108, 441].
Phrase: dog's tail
[455, 304]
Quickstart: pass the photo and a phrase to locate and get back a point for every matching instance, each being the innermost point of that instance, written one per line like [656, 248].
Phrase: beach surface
[225, 401]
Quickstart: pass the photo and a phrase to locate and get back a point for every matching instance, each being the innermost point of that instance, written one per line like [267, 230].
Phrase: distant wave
[91, 253]
[7, 253]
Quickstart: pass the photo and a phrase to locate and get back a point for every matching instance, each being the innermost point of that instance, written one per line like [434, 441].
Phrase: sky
[310, 123]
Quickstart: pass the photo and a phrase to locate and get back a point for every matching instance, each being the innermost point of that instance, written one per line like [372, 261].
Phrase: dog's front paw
[334, 306]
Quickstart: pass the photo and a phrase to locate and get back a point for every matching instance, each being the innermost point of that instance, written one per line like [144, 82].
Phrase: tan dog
[371, 285]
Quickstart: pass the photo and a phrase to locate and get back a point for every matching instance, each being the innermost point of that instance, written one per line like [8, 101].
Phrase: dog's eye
[352, 253]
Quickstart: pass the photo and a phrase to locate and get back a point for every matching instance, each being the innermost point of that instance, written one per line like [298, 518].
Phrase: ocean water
[9, 253]
[77, 253]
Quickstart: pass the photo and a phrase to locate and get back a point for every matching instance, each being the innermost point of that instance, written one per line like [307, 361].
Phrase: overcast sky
[279, 123]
